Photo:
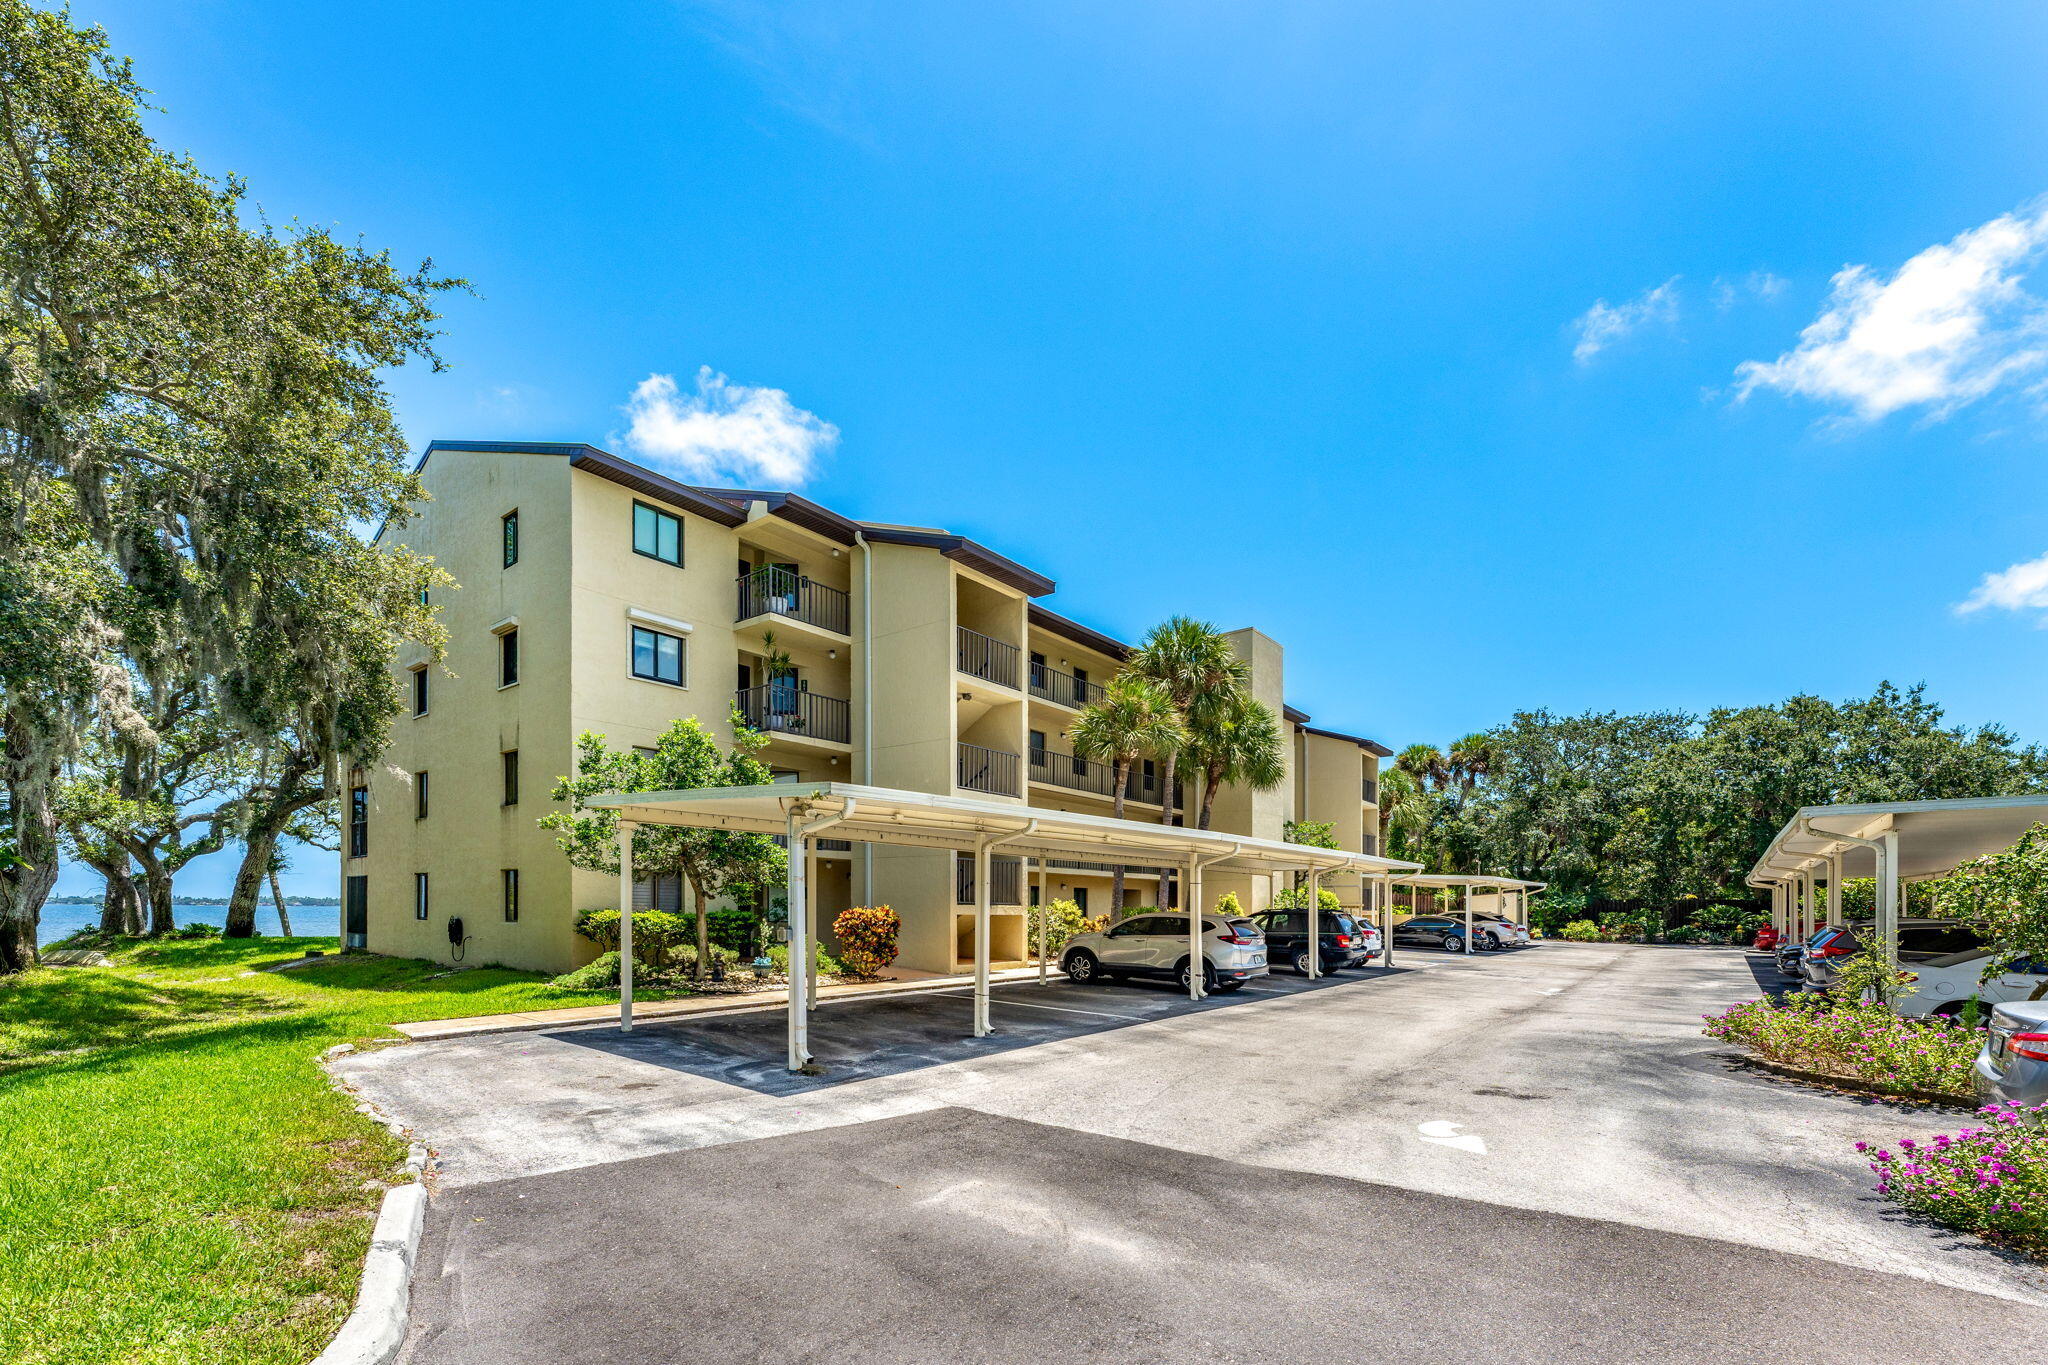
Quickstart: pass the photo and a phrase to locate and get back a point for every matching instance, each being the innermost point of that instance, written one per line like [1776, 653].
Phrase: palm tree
[1134, 719]
[1471, 759]
[1404, 812]
[1234, 738]
[1188, 660]
[1425, 764]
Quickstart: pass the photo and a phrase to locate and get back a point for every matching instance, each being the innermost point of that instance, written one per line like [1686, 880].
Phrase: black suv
[1432, 931]
[1346, 942]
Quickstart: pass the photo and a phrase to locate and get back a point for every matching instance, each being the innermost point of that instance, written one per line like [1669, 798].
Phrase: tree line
[1666, 804]
[195, 631]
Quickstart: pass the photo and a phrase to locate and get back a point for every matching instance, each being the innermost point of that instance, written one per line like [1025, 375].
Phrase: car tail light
[1232, 936]
[1343, 940]
[2039, 1049]
[1831, 950]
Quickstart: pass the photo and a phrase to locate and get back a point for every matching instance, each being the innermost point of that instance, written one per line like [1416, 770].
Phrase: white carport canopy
[1889, 841]
[883, 815]
[1515, 886]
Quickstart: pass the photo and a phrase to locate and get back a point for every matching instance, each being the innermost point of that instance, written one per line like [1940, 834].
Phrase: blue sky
[1490, 356]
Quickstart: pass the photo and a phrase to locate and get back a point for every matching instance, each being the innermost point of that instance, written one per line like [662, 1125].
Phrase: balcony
[1063, 689]
[1372, 792]
[988, 770]
[783, 709]
[774, 591]
[1005, 880]
[990, 660]
[1075, 774]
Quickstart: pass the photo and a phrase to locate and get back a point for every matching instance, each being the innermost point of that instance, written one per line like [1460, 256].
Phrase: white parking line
[1063, 1009]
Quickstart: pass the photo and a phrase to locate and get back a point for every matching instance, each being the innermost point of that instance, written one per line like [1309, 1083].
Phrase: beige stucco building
[599, 595]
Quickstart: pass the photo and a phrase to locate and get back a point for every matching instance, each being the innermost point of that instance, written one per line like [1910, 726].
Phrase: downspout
[867, 698]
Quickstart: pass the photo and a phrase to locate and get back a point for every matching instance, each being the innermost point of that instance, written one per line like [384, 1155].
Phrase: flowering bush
[1990, 1180]
[867, 938]
[1867, 1043]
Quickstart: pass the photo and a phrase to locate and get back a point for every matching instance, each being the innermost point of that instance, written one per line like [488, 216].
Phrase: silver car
[1156, 945]
[2013, 1067]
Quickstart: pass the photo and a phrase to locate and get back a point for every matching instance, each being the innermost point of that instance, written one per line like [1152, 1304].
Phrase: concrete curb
[1853, 1085]
[375, 1331]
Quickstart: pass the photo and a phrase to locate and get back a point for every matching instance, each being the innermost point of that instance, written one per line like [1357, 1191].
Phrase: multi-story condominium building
[596, 594]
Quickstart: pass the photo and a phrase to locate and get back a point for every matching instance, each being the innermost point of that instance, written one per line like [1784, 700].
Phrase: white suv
[1156, 945]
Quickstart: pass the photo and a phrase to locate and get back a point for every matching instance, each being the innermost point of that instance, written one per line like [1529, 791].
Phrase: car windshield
[1245, 926]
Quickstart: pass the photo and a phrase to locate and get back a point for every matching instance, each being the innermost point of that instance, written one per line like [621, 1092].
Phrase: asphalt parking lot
[1522, 1156]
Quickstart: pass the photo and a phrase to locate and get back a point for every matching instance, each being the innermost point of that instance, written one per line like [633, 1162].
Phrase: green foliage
[1868, 1043]
[1232, 739]
[2004, 895]
[1229, 906]
[601, 973]
[1990, 1179]
[1550, 911]
[1867, 976]
[1296, 898]
[1314, 833]
[1060, 921]
[656, 934]
[1580, 931]
[867, 938]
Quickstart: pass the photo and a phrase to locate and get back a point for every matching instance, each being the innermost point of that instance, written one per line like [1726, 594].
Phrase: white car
[1946, 962]
[1153, 944]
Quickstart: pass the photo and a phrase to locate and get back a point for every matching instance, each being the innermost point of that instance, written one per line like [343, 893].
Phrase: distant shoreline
[194, 900]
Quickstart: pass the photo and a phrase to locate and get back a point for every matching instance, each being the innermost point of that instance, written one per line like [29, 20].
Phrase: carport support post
[1195, 954]
[1888, 896]
[625, 926]
[1315, 941]
[813, 931]
[981, 866]
[799, 947]
[1043, 916]
[1468, 919]
[1386, 907]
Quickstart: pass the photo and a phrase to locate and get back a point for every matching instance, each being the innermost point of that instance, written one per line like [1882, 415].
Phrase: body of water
[308, 921]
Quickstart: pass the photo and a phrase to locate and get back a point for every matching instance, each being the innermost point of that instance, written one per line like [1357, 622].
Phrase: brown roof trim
[1295, 714]
[962, 550]
[1370, 746]
[798, 511]
[1048, 620]
[653, 485]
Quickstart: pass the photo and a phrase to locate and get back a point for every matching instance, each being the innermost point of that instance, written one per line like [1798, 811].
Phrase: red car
[1766, 939]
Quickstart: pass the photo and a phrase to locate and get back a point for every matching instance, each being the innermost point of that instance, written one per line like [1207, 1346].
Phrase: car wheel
[1492, 943]
[1208, 977]
[1301, 961]
[1453, 944]
[1081, 967]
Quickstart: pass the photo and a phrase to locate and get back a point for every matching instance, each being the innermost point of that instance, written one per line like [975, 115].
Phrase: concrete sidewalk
[897, 981]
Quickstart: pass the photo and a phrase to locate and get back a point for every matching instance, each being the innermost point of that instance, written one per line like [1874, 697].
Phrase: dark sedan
[1432, 931]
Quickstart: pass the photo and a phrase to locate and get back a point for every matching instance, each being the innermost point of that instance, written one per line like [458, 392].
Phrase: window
[510, 763]
[419, 691]
[358, 821]
[510, 878]
[508, 658]
[657, 657]
[419, 795]
[657, 534]
[419, 895]
[510, 523]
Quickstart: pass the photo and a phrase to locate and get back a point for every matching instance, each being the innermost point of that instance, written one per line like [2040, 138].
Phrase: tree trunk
[703, 904]
[30, 783]
[258, 846]
[284, 916]
[156, 888]
[1120, 777]
[1166, 789]
[121, 905]
[1212, 780]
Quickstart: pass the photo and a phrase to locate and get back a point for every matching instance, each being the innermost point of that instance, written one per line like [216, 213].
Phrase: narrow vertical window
[358, 820]
[510, 876]
[510, 523]
[508, 658]
[657, 534]
[419, 691]
[419, 895]
[510, 759]
[419, 795]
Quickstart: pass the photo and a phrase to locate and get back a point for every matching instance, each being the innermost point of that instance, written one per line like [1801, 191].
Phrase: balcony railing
[777, 590]
[990, 660]
[1145, 786]
[1005, 880]
[1075, 774]
[784, 709]
[1372, 791]
[988, 770]
[1063, 689]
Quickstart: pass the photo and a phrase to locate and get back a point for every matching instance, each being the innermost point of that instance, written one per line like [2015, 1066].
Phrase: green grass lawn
[182, 1182]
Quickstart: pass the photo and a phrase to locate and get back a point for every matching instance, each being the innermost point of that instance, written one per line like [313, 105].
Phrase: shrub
[1685, 933]
[1061, 921]
[1228, 905]
[1868, 1043]
[1581, 931]
[822, 962]
[1990, 1180]
[602, 973]
[867, 938]
[655, 933]
[1296, 898]
[1551, 911]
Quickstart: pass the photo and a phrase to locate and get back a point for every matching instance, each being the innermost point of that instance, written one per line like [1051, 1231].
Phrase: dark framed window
[419, 895]
[419, 795]
[1081, 899]
[359, 821]
[657, 534]
[510, 523]
[419, 691]
[510, 879]
[510, 761]
[508, 657]
[659, 657]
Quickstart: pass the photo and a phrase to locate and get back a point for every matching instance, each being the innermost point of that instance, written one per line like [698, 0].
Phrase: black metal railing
[1005, 880]
[988, 770]
[775, 590]
[1063, 689]
[1144, 786]
[785, 709]
[990, 660]
[821, 845]
[1075, 774]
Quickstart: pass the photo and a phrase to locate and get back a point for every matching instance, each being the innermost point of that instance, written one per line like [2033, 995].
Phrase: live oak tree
[712, 862]
[191, 413]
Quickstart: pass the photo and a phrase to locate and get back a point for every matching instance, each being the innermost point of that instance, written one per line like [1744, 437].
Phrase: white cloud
[1951, 326]
[2023, 587]
[1606, 323]
[726, 432]
[1757, 284]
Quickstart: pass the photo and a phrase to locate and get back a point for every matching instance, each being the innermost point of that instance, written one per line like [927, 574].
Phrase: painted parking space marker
[1063, 1009]
[1555, 990]
[1444, 1133]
